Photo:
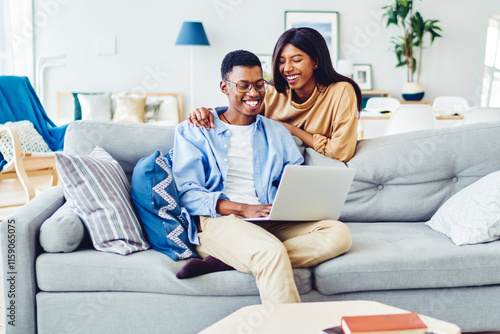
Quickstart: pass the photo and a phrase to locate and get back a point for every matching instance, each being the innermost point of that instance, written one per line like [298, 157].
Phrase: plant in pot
[408, 47]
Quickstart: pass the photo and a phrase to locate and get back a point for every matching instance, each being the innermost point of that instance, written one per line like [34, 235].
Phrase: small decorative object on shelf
[412, 91]
[362, 74]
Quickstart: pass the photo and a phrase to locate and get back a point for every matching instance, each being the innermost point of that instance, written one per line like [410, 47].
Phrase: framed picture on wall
[327, 23]
[362, 74]
[267, 66]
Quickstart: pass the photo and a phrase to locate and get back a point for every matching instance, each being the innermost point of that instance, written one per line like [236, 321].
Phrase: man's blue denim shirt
[200, 162]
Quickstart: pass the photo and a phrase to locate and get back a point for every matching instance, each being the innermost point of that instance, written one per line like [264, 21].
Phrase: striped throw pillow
[98, 191]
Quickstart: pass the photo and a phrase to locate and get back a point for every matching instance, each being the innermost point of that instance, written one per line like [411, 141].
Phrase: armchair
[19, 102]
[24, 165]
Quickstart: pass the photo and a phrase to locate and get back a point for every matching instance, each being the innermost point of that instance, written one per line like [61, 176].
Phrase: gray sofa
[401, 181]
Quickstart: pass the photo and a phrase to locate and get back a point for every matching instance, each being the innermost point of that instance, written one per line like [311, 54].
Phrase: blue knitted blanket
[19, 102]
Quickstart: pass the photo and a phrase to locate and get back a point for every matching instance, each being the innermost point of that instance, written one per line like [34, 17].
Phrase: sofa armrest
[19, 238]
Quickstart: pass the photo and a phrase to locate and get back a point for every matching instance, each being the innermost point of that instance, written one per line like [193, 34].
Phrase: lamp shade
[192, 33]
[344, 67]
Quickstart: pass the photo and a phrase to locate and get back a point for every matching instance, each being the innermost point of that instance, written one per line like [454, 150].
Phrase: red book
[405, 323]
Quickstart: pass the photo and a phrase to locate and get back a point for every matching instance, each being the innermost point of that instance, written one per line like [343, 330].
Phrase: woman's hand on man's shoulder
[201, 117]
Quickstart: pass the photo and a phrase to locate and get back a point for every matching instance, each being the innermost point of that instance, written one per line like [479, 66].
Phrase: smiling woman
[312, 100]
[297, 68]
[315, 103]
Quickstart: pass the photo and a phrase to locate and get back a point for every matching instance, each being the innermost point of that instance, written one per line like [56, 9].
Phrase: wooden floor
[13, 195]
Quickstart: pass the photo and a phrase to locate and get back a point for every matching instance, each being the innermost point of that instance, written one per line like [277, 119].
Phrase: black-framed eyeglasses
[246, 87]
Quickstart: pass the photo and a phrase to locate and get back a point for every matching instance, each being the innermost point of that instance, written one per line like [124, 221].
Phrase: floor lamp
[192, 33]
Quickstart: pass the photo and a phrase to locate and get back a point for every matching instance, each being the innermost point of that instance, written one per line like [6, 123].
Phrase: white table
[376, 116]
[308, 318]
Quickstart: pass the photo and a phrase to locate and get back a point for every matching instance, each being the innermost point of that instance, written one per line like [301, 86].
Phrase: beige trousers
[270, 250]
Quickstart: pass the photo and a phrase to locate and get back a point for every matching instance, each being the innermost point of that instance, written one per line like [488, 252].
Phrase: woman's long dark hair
[311, 42]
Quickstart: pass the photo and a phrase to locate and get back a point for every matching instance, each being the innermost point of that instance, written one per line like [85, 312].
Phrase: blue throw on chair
[19, 102]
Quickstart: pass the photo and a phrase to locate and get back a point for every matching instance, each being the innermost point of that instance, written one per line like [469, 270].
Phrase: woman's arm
[306, 137]
[341, 143]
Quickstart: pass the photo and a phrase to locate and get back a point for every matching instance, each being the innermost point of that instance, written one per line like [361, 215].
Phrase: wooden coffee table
[305, 318]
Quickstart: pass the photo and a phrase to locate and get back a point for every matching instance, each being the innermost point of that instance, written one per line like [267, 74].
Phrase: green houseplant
[408, 47]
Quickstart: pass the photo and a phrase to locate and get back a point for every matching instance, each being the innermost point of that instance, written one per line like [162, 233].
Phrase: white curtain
[16, 38]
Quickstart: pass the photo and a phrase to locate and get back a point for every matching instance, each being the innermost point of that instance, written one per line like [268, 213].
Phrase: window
[3, 38]
[16, 37]
[490, 96]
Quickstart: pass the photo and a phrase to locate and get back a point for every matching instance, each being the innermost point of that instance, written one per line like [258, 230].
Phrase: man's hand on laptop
[244, 210]
[254, 211]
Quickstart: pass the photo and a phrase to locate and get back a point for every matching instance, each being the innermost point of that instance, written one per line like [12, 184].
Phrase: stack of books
[405, 323]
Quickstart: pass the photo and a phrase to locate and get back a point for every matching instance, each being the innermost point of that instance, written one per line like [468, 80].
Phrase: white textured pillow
[169, 109]
[472, 215]
[96, 106]
[151, 111]
[31, 140]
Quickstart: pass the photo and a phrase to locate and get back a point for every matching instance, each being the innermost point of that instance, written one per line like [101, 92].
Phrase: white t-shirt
[240, 185]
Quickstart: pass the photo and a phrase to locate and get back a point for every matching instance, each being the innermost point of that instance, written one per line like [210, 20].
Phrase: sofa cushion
[154, 195]
[168, 114]
[407, 177]
[129, 109]
[473, 214]
[78, 108]
[62, 232]
[95, 106]
[148, 271]
[99, 193]
[391, 256]
[151, 110]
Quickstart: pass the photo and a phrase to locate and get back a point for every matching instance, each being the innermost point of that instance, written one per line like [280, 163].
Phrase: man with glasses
[232, 172]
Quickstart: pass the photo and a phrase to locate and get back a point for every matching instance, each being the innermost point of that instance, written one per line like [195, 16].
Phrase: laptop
[310, 193]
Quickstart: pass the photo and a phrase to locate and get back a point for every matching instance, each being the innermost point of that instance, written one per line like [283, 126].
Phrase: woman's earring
[315, 66]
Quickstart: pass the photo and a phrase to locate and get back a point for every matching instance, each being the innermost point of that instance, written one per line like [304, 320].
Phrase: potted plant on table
[415, 29]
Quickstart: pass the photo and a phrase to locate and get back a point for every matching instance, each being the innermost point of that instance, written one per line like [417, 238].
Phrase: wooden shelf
[366, 94]
[416, 102]
[373, 93]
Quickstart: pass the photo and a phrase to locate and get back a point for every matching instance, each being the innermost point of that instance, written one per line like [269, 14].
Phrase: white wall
[147, 59]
